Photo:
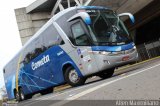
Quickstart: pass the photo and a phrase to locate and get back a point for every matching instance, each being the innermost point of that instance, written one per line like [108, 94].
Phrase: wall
[29, 24]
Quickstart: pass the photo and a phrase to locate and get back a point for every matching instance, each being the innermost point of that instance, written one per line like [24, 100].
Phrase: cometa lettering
[44, 60]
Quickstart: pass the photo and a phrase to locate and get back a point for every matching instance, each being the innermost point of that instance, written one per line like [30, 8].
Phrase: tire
[47, 91]
[133, 63]
[23, 96]
[28, 96]
[106, 74]
[72, 78]
[17, 96]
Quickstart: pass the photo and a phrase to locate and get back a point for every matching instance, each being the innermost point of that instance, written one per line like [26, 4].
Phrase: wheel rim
[17, 96]
[73, 76]
[22, 95]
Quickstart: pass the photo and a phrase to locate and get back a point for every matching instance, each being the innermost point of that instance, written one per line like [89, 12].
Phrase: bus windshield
[107, 28]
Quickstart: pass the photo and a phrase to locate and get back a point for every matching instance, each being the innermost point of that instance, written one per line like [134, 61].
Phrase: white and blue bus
[74, 44]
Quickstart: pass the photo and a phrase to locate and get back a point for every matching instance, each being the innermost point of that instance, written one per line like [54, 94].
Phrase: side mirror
[83, 15]
[130, 16]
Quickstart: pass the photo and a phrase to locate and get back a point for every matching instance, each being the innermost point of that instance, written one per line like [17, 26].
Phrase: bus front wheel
[106, 74]
[72, 78]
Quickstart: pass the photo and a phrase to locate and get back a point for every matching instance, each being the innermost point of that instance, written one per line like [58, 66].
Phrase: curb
[136, 64]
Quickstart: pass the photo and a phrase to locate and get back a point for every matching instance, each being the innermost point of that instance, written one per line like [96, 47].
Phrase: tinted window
[51, 37]
[48, 38]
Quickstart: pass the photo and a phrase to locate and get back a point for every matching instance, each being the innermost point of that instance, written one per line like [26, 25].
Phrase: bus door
[82, 42]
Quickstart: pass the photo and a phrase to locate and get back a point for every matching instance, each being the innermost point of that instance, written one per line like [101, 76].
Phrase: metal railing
[148, 50]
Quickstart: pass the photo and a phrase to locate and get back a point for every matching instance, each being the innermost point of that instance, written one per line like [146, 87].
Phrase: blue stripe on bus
[22, 81]
[28, 75]
[92, 7]
[48, 75]
[10, 85]
[35, 80]
[113, 48]
[29, 85]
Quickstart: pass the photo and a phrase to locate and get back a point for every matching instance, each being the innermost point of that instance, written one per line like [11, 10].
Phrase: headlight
[100, 52]
[104, 53]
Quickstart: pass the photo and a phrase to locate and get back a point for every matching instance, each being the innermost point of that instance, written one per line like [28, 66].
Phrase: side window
[38, 51]
[31, 55]
[48, 38]
[80, 36]
[51, 37]
[28, 58]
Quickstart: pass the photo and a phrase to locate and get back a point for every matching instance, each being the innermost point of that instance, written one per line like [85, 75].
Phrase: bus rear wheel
[72, 78]
[17, 96]
[107, 73]
[23, 96]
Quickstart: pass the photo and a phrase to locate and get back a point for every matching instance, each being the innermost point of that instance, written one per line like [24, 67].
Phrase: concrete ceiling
[46, 5]
[120, 6]
[114, 4]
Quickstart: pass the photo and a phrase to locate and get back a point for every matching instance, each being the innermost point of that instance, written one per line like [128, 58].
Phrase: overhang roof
[118, 5]
[45, 5]
[40, 6]
[48, 5]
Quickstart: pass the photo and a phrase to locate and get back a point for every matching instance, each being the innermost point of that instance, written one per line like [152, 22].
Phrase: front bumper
[105, 62]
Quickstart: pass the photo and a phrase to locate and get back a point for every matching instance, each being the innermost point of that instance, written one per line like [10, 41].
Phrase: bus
[73, 45]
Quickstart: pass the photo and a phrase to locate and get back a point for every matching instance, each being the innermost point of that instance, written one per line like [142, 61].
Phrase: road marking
[47, 97]
[58, 94]
[105, 84]
[100, 86]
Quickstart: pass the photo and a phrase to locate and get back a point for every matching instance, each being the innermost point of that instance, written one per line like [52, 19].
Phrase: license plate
[126, 58]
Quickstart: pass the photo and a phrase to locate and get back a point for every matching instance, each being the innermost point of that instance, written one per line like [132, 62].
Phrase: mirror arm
[128, 14]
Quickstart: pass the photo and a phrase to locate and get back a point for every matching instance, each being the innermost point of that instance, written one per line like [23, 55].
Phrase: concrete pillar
[29, 24]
